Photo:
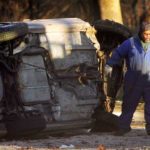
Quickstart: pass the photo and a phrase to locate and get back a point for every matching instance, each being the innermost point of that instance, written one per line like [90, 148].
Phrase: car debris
[52, 77]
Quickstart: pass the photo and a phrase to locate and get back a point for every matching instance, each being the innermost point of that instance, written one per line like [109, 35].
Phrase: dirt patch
[135, 140]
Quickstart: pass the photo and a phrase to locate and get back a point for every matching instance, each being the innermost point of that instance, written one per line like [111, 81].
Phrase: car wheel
[110, 33]
[10, 31]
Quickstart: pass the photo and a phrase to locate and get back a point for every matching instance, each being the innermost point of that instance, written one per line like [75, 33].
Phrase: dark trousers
[131, 98]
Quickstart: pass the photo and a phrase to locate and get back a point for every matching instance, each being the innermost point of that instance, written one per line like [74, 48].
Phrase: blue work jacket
[137, 60]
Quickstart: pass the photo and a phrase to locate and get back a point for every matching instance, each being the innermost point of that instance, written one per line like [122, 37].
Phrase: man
[136, 52]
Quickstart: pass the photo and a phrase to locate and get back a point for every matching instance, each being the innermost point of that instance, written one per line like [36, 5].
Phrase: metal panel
[70, 51]
[67, 49]
[72, 46]
[33, 81]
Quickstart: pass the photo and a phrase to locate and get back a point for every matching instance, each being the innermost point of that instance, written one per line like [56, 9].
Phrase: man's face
[146, 36]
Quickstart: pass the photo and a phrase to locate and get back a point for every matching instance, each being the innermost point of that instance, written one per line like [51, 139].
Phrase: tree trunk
[110, 9]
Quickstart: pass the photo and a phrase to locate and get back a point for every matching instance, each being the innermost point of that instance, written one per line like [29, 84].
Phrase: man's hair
[144, 22]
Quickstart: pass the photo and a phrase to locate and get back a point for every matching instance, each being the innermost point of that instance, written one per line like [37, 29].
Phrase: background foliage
[88, 10]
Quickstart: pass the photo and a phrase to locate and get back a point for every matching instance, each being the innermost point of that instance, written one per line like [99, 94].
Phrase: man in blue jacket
[136, 52]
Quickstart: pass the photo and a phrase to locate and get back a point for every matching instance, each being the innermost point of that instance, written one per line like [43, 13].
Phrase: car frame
[50, 77]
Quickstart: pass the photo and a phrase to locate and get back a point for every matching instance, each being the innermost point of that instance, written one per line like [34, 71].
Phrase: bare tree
[110, 9]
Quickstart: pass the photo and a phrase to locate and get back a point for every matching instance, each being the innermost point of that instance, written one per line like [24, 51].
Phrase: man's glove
[107, 70]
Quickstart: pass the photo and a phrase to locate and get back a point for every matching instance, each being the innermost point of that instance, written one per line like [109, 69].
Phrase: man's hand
[107, 70]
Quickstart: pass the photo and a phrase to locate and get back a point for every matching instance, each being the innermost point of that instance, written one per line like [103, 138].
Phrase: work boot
[121, 132]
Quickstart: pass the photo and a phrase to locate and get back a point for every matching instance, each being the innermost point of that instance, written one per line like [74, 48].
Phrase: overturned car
[51, 76]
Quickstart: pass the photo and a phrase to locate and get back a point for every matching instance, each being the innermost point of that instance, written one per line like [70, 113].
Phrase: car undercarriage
[52, 75]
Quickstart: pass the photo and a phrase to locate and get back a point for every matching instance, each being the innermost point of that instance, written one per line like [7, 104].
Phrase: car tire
[10, 31]
[110, 33]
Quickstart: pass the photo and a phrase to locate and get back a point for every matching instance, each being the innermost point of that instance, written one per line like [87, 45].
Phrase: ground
[137, 139]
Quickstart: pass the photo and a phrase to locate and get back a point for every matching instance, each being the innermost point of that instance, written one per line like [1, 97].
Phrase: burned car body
[56, 76]
[50, 77]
